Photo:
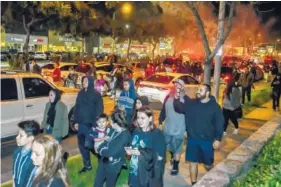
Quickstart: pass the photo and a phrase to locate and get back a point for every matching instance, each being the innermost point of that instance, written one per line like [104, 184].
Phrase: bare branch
[24, 23]
[201, 27]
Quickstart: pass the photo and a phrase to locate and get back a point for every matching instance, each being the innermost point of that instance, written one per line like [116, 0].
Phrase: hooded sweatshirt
[127, 99]
[174, 122]
[89, 104]
[52, 111]
[204, 121]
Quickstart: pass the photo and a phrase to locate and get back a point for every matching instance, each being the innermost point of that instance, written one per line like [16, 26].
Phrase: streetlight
[127, 26]
[126, 9]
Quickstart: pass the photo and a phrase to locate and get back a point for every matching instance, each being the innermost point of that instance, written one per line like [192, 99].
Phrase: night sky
[271, 9]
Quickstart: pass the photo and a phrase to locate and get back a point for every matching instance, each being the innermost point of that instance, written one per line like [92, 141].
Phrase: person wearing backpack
[232, 106]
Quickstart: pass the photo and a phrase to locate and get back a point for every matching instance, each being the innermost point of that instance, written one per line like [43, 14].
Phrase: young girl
[49, 168]
[139, 102]
[55, 120]
[112, 151]
[99, 84]
[148, 151]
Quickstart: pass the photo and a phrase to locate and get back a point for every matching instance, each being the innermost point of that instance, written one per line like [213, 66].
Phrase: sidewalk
[248, 125]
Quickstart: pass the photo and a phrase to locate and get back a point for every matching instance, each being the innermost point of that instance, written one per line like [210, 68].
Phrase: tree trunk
[217, 69]
[129, 46]
[153, 50]
[207, 71]
[25, 46]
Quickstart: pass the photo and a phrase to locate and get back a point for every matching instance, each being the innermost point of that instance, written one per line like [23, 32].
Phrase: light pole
[277, 41]
[126, 9]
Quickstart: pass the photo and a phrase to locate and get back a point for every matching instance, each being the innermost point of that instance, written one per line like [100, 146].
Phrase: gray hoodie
[174, 122]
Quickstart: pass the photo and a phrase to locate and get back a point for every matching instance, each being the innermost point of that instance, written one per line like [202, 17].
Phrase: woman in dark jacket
[112, 152]
[55, 120]
[276, 91]
[148, 152]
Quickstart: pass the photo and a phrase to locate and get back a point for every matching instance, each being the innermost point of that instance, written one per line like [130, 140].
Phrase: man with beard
[204, 125]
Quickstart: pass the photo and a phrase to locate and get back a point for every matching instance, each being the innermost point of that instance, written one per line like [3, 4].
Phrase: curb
[242, 157]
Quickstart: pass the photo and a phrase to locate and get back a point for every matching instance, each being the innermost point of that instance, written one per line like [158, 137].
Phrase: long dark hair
[228, 90]
[118, 116]
[149, 112]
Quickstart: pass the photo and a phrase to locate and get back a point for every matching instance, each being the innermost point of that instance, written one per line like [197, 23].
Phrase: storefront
[16, 41]
[64, 43]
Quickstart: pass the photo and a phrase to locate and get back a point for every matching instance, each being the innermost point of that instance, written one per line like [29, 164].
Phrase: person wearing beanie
[174, 129]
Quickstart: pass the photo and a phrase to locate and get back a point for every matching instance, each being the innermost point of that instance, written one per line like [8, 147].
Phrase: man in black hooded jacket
[89, 105]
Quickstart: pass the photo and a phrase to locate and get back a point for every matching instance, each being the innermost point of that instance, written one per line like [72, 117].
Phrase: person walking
[139, 102]
[36, 68]
[247, 80]
[89, 105]
[266, 70]
[147, 151]
[276, 91]
[204, 128]
[231, 102]
[174, 126]
[127, 99]
[57, 75]
[112, 151]
[49, 164]
[55, 120]
[22, 163]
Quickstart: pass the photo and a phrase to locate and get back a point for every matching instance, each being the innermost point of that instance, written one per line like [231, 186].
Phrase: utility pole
[217, 72]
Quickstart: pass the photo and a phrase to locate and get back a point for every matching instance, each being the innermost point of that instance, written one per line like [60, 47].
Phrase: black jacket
[204, 121]
[89, 104]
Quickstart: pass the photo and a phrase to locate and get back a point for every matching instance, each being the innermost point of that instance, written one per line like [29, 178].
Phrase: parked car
[24, 96]
[5, 54]
[40, 56]
[158, 86]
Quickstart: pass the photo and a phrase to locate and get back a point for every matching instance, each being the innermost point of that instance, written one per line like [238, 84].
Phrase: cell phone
[128, 148]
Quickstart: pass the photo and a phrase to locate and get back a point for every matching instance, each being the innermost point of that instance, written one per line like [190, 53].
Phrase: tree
[209, 55]
[31, 15]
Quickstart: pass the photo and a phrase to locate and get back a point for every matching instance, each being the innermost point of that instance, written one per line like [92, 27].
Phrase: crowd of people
[130, 132]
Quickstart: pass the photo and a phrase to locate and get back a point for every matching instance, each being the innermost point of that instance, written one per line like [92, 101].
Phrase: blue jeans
[83, 132]
[49, 130]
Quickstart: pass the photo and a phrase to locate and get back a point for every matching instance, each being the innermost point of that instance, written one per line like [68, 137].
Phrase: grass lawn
[74, 164]
[259, 97]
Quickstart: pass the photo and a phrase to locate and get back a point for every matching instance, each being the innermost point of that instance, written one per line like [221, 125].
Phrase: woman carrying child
[112, 151]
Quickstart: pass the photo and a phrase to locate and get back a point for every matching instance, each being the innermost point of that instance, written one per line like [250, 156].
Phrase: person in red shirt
[57, 75]
[149, 71]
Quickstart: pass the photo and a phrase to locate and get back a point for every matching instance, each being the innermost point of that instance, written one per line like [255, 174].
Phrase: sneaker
[84, 169]
[235, 132]
[175, 169]
[224, 133]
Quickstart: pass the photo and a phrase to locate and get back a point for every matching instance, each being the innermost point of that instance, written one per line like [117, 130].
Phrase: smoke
[247, 27]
